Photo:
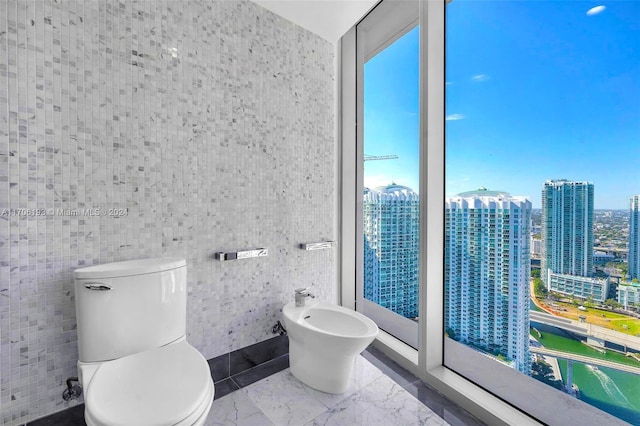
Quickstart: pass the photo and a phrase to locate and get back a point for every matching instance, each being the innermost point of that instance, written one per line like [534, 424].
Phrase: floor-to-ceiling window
[388, 162]
[530, 222]
[542, 108]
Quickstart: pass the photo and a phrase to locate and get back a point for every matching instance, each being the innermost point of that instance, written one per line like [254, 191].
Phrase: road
[631, 343]
[585, 359]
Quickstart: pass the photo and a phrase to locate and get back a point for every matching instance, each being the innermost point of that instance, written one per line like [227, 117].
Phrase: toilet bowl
[324, 340]
[170, 385]
[135, 364]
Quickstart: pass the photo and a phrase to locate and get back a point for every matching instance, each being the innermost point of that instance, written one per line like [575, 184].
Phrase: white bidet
[324, 340]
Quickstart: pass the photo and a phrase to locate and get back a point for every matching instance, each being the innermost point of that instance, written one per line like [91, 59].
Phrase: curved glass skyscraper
[567, 240]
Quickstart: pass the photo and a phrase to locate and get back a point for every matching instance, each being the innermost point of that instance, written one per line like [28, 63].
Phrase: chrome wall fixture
[245, 254]
[318, 246]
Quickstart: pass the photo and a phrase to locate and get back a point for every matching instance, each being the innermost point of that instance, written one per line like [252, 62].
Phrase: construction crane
[380, 157]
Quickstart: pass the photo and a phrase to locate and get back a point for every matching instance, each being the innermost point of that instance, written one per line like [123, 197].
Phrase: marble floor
[380, 393]
[372, 398]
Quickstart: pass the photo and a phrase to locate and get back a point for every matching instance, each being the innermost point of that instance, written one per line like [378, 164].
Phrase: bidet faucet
[301, 296]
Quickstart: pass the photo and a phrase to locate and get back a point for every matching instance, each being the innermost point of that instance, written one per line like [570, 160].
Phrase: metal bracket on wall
[245, 254]
[317, 246]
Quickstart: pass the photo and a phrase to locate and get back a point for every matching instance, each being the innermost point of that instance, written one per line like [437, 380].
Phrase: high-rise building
[567, 235]
[629, 294]
[487, 271]
[536, 247]
[391, 226]
[567, 227]
[634, 237]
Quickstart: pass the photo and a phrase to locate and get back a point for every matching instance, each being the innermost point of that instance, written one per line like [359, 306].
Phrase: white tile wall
[210, 122]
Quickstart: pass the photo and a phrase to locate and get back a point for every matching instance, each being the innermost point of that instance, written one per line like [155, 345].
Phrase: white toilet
[135, 366]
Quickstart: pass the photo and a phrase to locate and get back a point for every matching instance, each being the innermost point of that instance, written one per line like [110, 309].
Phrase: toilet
[324, 340]
[135, 364]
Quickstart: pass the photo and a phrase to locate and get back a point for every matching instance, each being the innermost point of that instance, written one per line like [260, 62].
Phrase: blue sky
[536, 90]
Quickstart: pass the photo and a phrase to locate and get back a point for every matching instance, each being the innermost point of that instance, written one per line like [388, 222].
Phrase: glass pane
[391, 175]
[541, 237]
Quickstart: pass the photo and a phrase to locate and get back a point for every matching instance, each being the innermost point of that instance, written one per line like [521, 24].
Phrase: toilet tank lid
[129, 267]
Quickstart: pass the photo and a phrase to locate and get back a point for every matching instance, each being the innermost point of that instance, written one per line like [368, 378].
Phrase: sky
[535, 90]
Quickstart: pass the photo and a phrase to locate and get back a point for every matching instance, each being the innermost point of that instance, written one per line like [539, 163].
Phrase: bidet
[324, 340]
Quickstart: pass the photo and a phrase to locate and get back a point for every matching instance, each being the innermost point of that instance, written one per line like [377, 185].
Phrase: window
[533, 89]
[388, 137]
[482, 239]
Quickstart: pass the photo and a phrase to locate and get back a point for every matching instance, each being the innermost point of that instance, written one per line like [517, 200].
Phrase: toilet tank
[128, 307]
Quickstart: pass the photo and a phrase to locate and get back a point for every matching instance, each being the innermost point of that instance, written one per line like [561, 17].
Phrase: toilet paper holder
[244, 254]
[320, 245]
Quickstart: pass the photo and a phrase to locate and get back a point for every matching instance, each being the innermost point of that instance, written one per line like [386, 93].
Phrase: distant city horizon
[535, 207]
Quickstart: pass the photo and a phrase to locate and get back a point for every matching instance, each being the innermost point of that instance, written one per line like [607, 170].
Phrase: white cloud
[596, 10]
[453, 117]
[480, 77]
[448, 83]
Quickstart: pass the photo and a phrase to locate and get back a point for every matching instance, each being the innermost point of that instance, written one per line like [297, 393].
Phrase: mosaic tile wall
[141, 129]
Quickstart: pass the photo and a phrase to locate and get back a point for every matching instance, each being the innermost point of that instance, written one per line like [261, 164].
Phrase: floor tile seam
[255, 404]
[404, 383]
[405, 388]
[237, 385]
[329, 410]
[352, 400]
[405, 393]
[316, 401]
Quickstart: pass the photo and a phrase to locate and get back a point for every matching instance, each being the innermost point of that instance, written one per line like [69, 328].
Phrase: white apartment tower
[391, 248]
[634, 237]
[487, 271]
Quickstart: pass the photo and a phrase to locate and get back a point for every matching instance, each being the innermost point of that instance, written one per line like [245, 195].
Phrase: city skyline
[557, 101]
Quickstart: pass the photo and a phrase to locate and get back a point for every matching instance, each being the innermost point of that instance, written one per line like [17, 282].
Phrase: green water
[615, 392]
[534, 307]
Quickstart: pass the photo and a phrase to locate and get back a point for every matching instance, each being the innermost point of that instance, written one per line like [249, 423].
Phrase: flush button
[97, 286]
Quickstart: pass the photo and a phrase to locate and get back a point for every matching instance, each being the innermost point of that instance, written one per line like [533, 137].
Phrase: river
[615, 392]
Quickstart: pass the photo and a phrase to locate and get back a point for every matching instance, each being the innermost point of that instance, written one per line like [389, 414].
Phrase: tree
[539, 288]
[535, 273]
[541, 370]
[589, 303]
[613, 304]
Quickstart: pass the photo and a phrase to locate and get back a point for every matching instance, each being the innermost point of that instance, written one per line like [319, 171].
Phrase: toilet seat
[170, 385]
